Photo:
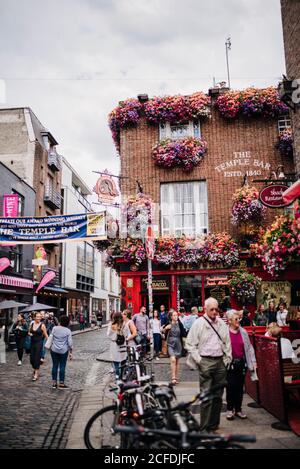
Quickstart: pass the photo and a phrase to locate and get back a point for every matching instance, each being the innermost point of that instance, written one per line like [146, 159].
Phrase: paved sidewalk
[258, 423]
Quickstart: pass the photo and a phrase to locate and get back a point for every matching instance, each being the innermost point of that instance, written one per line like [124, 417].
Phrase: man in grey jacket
[209, 346]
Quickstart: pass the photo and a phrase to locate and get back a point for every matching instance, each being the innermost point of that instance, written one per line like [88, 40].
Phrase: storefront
[78, 302]
[99, 304]
[14, 288]
[182, 288]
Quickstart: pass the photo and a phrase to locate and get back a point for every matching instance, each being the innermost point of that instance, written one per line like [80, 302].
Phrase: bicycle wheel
[98, 433]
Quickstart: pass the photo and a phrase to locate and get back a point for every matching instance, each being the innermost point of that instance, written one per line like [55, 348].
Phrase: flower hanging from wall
[247, 207]
[123, 116]
[279, 245]
[185, 153]
[244, 285]
[251, 102]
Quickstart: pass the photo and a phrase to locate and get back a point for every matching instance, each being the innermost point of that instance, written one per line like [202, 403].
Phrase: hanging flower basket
[279, 245]
[125, 115]
[186, 153]
[244, 285]
[221, 249]
[251, 102]
[247, 208]
[285, 142]
[177, 109]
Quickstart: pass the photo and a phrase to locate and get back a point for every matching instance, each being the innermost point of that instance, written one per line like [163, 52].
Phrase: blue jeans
[59, 362]
[157, 343]
[43, 354]
[119, 367]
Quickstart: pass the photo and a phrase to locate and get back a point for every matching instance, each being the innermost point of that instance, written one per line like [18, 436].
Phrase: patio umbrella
[38, 307]
[8, 304]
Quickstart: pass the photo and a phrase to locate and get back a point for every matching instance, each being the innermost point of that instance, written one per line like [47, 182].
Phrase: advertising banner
[56, 229]
[10, 205]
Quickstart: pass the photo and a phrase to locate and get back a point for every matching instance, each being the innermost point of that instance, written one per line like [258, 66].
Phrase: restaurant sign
[272, 196]
[55, 229]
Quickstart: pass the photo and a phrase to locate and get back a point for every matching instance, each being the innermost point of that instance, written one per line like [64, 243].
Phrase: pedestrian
[115, 332]
[37, 333]
[246, 321]
[164, 320]
[156, 332]
[261, 317]
[20, 329]
[175, 332]
[61, 348]
[81, 321]
[243, 357]
[271, 312]
[129, 328]
[142, 325]
[287, 350]
[209, 346]
[99, 318]
[281, 316]
[45, 321]
[189, 320]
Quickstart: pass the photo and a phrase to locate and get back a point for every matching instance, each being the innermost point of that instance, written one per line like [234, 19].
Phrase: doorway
[158, 300]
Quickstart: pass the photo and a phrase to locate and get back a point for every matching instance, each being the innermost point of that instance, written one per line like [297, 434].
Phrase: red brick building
[235, 148]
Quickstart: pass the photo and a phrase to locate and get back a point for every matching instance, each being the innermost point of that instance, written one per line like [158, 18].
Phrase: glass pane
[179, 131]
[189, 292]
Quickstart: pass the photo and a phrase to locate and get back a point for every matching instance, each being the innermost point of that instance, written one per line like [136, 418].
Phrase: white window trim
[169, 210]
[165, 130]
[284, 123]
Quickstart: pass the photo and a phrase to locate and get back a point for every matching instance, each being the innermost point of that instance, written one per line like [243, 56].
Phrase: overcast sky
[71, 61]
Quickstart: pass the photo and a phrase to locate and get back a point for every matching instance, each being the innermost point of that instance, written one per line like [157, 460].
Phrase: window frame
[285, 125]
[193, 126]
[170, 216]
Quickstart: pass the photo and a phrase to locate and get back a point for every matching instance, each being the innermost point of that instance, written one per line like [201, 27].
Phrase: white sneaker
[156, 358]
[19, 363]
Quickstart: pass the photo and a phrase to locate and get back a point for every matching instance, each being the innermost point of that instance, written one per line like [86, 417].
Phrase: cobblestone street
[33, 415]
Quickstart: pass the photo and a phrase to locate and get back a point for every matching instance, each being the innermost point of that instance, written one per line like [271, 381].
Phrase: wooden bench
[291, 374]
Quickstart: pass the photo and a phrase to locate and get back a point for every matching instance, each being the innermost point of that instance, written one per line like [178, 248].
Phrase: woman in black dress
[38, 333]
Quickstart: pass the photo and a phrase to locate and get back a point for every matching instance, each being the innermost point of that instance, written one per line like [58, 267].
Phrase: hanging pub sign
[272, 196]
[106, 188]
[56, 229]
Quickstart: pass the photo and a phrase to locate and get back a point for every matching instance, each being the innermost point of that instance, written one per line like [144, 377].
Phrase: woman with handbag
[60, 344]
[129, 328]
[37, 333]
[20, 329]
[115, 332]
[243, 357]
[174, 332]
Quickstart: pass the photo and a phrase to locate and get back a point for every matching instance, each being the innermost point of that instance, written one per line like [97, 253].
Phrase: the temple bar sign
[243, 163]
[271, 196]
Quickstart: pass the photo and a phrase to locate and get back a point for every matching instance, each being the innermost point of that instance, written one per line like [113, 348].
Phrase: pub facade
[190, 155]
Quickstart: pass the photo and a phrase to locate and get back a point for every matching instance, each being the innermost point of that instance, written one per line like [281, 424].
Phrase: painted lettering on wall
[243, 163]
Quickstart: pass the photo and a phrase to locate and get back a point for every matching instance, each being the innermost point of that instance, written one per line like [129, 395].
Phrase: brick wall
[225, 138]
[290, 10]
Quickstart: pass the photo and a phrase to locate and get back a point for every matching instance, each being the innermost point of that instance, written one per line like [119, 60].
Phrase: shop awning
[55, 289]
[292, 192]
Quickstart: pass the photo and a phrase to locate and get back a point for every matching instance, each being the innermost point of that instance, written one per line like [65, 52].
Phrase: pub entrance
[158, 300]
[161, 292]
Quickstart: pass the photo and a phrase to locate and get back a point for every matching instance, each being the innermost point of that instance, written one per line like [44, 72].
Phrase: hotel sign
[272, 196]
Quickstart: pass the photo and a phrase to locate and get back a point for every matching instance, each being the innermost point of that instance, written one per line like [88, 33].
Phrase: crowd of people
[39, 331]
[215, 343]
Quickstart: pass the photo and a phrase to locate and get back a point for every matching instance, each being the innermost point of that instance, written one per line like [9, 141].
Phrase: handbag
[120, 339]
[49, 342]
[27, 344]
[138, 339]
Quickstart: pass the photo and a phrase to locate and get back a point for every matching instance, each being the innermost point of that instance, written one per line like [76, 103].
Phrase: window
[177, 131]
[85, 260]
[103, 271]
[189, 292]
[16, 255]
[284, 123]
[184, 209]
[21, 203]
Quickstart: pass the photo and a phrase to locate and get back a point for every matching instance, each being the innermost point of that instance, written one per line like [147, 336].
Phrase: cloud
[71, 61]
